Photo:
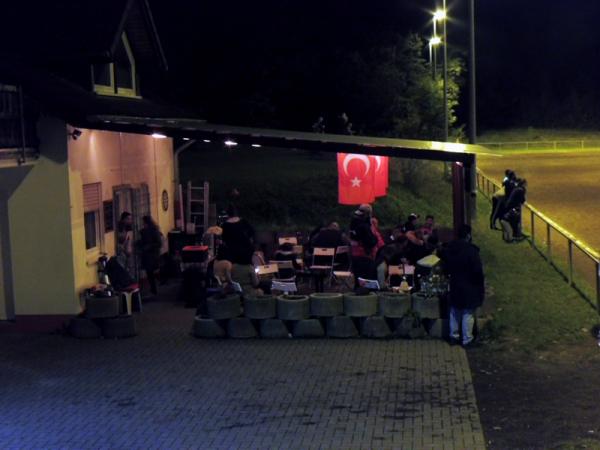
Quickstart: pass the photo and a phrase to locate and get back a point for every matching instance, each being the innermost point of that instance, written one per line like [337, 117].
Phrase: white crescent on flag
[364, 158]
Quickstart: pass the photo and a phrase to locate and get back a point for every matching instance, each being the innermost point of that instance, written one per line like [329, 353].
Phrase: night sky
[537, 60]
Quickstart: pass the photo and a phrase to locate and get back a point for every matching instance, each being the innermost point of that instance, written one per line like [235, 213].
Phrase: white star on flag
[355, 182]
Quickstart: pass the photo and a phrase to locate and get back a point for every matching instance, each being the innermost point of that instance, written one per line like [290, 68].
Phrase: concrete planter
[360, 305]
[427, 307]
[438, 328]
[241, 328]
[293, 307]
[376, 327]
[207, 328]
[273, 329]
[260, 307]
[119, 327]
[325, 304]
[102, 307]
[341, 327]
[228, 307]
[394, 305]
[308, 328]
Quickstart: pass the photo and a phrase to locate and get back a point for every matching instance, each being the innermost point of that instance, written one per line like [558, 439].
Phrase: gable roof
[62, 30]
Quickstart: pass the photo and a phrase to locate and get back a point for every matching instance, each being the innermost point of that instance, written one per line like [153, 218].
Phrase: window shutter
[92, 197]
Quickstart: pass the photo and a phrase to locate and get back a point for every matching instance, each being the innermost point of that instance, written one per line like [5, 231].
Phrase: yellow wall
[115, 159]
[3, 269]
[40, 229]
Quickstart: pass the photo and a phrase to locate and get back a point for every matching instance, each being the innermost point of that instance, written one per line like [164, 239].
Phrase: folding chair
[285, 270]
[284, 286]
[324, 269]
[288, 240]
[395, 274]
[368, 284]
[267, 271]
[342, 272]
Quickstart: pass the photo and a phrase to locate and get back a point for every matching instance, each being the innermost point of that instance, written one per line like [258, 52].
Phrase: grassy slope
[297, 190]
[533, 307]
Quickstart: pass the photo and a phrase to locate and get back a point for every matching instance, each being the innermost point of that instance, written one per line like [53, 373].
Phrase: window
[118, 77]
[92, 203]
[92, 233]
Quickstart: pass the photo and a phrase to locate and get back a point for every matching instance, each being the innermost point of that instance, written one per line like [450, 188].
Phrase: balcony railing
[18, 141]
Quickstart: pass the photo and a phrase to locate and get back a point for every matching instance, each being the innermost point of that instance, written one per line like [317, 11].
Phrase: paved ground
[165, 389]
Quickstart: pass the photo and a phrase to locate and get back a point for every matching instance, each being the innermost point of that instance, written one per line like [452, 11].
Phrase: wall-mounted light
[256, 145]
[75, 134]
[159, 136]
[186, 139]
[207, 141]
[230, 143]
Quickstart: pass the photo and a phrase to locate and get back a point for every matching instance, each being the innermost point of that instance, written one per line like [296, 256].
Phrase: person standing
[462, 264]
[150, 245]
[124, 252]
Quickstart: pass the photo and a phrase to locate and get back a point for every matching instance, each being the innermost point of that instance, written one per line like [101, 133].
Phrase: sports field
[563, 185]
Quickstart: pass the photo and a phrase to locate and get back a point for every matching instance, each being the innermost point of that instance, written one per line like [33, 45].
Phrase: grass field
[283, 190]
[538, 134]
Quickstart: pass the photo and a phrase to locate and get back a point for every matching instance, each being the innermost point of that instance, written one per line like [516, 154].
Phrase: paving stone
[273, 329]
[308, 328]
[360, 305]
[426, 307]
[166, 389]
[375, 327]
[207, 328]
[260, 307]
[394, 305]
[341, 327]
[241, 328]
[326, 304]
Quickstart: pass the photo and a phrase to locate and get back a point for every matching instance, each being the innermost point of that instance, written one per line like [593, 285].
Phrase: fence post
[532, 227]
[548, 243]
[597, 286]
[570, 262]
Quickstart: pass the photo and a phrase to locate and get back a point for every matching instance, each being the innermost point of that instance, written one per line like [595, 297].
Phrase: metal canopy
[334, 143]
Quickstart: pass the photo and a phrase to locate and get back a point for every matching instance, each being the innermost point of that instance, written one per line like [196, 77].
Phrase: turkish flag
[356, 179]
[380, 169]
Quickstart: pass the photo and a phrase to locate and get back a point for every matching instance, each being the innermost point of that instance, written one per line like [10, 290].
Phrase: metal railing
[575, 260]
[566, 144]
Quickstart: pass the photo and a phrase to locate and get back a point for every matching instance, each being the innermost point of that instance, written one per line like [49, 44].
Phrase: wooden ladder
[198, 206]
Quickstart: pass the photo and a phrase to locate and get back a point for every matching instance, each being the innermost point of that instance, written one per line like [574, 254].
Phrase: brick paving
[168, 390]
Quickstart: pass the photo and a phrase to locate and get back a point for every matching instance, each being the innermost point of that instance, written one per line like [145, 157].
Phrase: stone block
[341, 327]
[438, 328]
[260, 307]
[273, 329]
[308, 328]
[376, 327]
[360, 305]
[326, 304]
[394, 305]
[207, 328]
[426, 307]
[227, 307]
[293, 307]
[241, 328]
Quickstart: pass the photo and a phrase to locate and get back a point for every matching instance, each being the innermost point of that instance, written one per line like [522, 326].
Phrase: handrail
[572, 240]
[582, 245]
[579, 143]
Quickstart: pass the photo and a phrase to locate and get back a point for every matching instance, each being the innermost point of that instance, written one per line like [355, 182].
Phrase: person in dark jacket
[362, 239]
[462, 264]
[330, 237]
[238, 238]
[511, 221]
[150, 246]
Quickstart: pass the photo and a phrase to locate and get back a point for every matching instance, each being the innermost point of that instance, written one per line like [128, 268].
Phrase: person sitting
[428, 228]
[329, 237]
[389, 255]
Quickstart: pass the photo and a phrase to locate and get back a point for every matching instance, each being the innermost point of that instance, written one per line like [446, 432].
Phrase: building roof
[61, 30]
[201, 130]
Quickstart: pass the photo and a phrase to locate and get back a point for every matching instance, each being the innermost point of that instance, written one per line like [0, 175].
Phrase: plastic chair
[128, 294]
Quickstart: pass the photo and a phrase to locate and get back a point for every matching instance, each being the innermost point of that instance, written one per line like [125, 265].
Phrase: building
[64, 176]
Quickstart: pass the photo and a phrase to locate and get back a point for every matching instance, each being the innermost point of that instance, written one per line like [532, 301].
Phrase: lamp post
[438, 16]
[445, 38]
[433, 42]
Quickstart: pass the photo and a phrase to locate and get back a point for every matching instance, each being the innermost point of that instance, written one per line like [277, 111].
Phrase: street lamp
[433, 42]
